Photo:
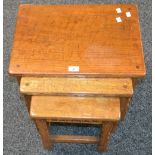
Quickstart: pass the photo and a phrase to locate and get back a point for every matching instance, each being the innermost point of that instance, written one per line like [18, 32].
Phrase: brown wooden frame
[48, 140]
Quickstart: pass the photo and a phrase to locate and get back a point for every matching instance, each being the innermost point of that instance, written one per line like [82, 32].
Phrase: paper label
[118, 10]
[118, 19]
[73, 68]
[128, 14]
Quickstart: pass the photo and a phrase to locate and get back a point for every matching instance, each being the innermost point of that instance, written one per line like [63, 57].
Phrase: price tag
[128, 14]
[118, 10]
[118, 19]
[73, 68]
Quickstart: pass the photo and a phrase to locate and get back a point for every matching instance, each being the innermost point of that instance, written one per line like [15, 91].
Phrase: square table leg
[124, 104]
[44, 133]
[106, 130]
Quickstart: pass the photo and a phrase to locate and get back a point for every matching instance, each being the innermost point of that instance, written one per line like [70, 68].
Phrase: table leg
[44, 133]
[105, 134]
[124, 101]
[115, 125]
[134, 82]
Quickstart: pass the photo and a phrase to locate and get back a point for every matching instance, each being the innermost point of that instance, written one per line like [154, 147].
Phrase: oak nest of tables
[77, 64]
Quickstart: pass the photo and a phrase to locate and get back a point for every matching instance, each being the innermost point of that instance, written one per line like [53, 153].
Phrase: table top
[77, 40]
[75, 108]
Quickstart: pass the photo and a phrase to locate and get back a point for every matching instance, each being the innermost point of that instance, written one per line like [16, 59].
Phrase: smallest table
[100, 110]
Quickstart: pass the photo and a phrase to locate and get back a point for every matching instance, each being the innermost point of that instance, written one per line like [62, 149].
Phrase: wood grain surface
[75, 108]
[76, 86]
[48, 39]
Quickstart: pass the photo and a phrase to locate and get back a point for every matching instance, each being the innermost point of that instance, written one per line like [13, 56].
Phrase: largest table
[77, 40]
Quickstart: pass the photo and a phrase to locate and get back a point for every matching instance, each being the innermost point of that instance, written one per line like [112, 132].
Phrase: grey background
[133, 136]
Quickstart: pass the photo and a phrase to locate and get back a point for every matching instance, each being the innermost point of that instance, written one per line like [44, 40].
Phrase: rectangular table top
[77, 40]
[75, 108]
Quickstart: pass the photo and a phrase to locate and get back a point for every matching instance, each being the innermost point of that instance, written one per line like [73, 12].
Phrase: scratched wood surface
[75, 108]
[76, 86]
[50, 38]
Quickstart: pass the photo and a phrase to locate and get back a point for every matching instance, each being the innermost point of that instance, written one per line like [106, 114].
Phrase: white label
[118, 10]
[118, 19]
[73, 68]
[128, 14]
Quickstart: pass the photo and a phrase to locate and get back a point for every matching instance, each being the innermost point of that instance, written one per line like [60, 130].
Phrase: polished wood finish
[50, 38]
[44, 133]
[74, 139]
[104, 137]
[76, 86]
[76, 108]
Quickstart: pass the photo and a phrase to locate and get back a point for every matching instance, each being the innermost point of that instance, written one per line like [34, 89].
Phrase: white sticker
[118, 10]
[73, 68]
[128, 14]
[118, 19]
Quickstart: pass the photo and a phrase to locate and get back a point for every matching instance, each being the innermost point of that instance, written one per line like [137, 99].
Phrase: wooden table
[77, 40]
[80, 41]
